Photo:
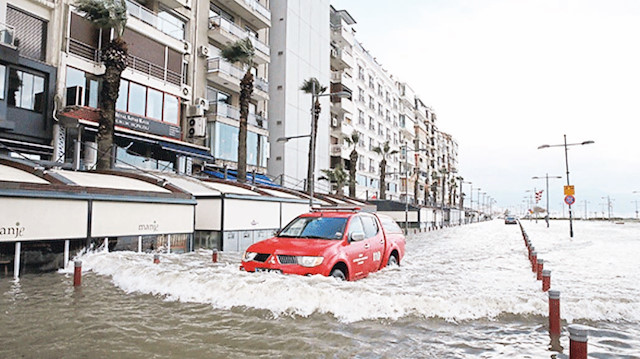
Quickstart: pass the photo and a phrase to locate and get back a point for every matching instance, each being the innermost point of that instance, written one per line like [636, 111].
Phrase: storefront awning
[186, 150]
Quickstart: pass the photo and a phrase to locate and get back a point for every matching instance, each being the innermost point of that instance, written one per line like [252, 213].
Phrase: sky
[506, 76]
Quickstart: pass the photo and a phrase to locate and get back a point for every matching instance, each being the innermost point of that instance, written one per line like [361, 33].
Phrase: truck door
[374, 241]
[357, 250]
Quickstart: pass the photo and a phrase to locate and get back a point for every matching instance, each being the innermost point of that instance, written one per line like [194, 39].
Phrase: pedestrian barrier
[77, 273]
[214, 256]
[156, 258]
[577, 333]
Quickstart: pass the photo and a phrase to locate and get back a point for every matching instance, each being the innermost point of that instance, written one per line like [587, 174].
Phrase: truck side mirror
[356, 236]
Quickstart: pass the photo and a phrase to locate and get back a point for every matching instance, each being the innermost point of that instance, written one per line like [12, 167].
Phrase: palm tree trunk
[353, 158]
[312, 144]
[416, 189]
[114, 57]
[383, 174]
[246, 89]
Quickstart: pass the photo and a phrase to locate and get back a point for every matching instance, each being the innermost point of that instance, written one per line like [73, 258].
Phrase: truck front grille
[284, 259]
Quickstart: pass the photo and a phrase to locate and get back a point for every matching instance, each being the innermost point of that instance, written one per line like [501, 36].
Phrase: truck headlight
[248, 256]
[309, 261]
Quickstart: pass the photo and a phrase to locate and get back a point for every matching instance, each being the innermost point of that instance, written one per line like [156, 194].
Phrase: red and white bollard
[214, 256]
[540, 267]
[578, 335]
[77, 273]
[546, 280]
[534, 261]
[554, 313]
[156, 258]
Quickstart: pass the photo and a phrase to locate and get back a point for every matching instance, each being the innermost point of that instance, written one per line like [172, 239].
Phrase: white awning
[88, 179]
[12, 174]
[28, 219]
[112, 218]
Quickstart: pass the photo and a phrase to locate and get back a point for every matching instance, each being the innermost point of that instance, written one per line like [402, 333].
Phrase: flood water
[463, 292]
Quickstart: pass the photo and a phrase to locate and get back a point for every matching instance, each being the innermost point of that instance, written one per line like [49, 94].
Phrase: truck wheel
[338, 273]
[393, 261]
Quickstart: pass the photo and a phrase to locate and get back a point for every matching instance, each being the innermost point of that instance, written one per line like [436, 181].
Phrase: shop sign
[142, 124]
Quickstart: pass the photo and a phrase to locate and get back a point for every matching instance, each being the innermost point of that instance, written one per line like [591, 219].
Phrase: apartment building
[299, 51]
[374, 111]
[226, 22]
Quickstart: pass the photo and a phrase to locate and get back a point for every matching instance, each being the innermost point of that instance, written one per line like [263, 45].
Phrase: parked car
[510, 220]
[342, 243]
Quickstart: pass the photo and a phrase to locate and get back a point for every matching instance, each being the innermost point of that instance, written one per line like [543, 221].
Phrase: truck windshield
[315, 227]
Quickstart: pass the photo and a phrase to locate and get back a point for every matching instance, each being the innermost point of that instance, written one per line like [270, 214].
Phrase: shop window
[137, 99]
[82, 88]
[26, 90]
[252, 148]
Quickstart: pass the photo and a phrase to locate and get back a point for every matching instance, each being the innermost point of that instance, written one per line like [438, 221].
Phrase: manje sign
[12, 231]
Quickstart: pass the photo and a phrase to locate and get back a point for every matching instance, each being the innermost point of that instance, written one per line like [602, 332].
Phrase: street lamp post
[547, 183]
[566, 160]
[312, 141]
[406, 184]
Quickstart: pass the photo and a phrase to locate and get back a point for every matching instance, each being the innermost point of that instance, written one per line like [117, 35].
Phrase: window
[252, 148]
[154, 104]
[360, 72]
[372, 105]
[370, 226]
[3, 72]
[372, 124]
[371, 82]
[171, 109]
[372, 167]
[360, 95]
[355, 225]
[123, 95]
[226, 142]
[360, 117]
[79, 83]
[26, 90]
[171, 24]
[137, 99]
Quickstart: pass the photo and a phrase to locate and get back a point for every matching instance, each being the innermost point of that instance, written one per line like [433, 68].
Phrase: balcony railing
[232, 112]
[83, 50]
[237, 31]
[147, 16]
[261, 84]
[7, 35]
[217, 64]
[259, 8]
[154, 70]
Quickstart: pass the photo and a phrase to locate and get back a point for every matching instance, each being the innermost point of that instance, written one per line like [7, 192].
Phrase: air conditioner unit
[334, 53]
[203, 102]
[334, 122]
[197, 127]
[194, 111]
[75, 96]
[187, 48]
[203, 51]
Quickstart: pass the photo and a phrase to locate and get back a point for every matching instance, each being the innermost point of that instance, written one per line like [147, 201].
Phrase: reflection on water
[460, 293]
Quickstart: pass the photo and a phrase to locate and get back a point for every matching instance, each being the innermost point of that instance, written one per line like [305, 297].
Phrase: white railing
[145, 15]
[7, 34]
[232, 112]
[259, 8]
[237, 31]
[261, 84]
[217, 64]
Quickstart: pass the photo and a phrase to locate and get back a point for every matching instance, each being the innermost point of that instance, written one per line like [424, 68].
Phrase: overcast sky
[506, 76]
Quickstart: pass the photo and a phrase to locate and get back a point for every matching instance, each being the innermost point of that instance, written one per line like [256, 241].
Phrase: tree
[336, 176]
[384, 151]
[353, 161]
[108, 14]
[243, 52]
[312, 86]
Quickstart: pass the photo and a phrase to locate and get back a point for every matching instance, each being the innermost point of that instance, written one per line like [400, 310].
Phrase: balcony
[227, 111]
[224, 31]
[225, 74]
[342, 35]
[7, 35]
[150, 18]
[338, 151]
[341, 59]
[252, 11]
[174, 4]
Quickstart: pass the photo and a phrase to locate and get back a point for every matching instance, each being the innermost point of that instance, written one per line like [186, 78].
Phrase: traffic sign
[569, 199]
[569, 191]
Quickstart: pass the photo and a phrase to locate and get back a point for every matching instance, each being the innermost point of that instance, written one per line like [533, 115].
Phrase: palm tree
[243, 52]
[108, 14]
[385, 151]
[335, 176]
[353, 161]
[313, 87]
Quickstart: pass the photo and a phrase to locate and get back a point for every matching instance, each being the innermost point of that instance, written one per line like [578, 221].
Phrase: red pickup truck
[347, 244]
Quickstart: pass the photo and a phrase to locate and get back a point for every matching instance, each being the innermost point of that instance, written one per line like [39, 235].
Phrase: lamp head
[587, 142]
[543, 146]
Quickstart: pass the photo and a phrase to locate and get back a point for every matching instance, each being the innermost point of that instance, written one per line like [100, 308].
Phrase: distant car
[347, 244]
[510, 220]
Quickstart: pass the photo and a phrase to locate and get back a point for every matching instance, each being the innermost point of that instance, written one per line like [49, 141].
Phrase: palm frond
[105, 14]
[307, 86]
[241, 51]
